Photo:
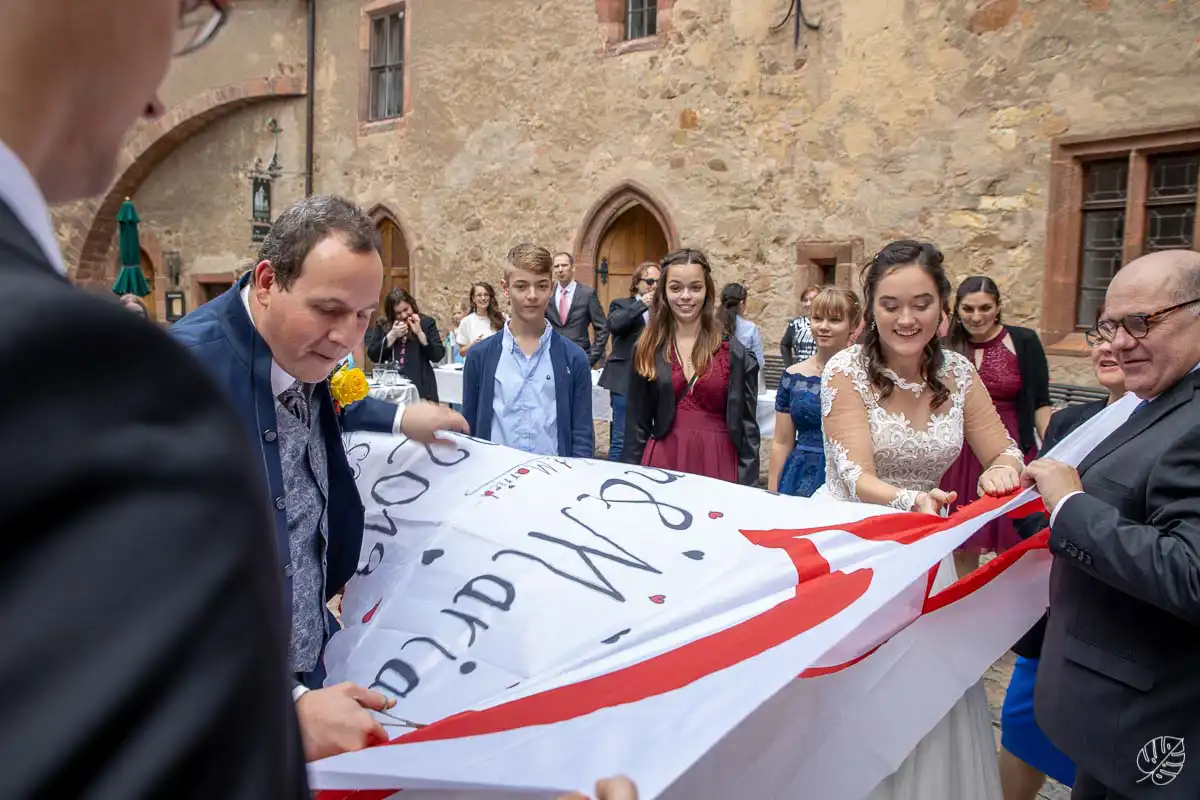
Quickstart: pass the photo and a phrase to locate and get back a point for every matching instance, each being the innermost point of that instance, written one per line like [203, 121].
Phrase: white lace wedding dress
[868, 437]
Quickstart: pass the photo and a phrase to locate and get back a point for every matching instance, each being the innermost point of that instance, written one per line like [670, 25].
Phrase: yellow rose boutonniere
[347, 386]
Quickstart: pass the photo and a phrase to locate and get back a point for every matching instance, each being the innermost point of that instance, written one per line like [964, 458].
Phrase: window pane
[396, 92]
[1103, 229]
[650, 20]
[379, 94]
[1103, 239]
[1106, 181]
[1090, 302]
[1174, 176]
[396, 40]
[1170, 227]
[378, 41]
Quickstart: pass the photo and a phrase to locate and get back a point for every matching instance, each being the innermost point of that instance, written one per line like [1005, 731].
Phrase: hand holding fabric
[335, 720]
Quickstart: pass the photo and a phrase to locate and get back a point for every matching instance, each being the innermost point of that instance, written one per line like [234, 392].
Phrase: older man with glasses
[145, 645]
[1116, 688]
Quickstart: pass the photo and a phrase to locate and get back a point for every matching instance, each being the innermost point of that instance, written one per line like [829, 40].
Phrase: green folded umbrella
[130, 280]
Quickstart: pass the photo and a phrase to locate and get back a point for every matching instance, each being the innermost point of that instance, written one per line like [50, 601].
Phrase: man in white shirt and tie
[574, 308]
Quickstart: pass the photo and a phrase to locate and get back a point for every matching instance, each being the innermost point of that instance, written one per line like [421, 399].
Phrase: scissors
[400, 722]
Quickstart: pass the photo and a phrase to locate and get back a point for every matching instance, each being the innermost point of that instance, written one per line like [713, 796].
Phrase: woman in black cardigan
[410, 339]
[627, 318]
[1012, 365]
[693, 392]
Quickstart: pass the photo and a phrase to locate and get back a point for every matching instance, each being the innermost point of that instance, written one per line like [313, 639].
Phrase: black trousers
[1088, 788]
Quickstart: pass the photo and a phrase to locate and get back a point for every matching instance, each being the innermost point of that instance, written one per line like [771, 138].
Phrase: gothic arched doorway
[633, 237]
[624, 229]
[394, 250]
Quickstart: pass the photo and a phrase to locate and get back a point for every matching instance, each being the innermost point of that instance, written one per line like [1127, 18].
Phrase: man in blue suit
[272, 341]
[529, 387]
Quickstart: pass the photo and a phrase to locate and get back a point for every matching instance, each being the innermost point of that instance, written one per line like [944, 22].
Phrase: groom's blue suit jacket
[221, 336]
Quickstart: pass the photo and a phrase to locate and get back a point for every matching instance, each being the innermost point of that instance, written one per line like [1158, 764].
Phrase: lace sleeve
[849, 449]
[982, 426]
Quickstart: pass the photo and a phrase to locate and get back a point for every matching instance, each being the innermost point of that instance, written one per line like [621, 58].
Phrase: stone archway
[95, 221]
[396, 251]
[625, 227]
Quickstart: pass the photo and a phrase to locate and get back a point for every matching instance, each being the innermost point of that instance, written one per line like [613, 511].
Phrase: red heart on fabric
[658, 598]
[367, 616]
[715, 515]
[522, 471]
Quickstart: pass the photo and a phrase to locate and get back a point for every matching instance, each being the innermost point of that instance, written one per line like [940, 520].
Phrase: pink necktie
[562, 305]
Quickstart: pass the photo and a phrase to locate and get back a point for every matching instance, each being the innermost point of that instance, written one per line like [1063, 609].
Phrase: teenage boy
[530, 388]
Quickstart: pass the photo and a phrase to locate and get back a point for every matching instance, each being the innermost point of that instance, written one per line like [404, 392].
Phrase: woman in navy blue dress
[798, 451]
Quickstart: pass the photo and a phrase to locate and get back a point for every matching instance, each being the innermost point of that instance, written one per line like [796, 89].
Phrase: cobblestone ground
[995, 682]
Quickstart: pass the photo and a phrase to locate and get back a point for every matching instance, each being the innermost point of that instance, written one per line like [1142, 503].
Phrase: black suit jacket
[625, 323]
[1061, 423]
[1121, 658]
[144, 641]
[418, 359]
[584, 312]
[650, 412]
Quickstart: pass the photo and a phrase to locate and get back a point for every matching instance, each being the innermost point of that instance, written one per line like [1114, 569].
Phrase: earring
[872, 324]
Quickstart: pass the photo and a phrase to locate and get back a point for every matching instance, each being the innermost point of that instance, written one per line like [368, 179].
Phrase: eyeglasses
[1093, 337]
[199, 22]
[649, 281]
[1136, 325]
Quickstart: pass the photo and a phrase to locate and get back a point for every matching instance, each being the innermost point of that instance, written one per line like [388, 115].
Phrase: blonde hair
[837, 302]
[530, 258]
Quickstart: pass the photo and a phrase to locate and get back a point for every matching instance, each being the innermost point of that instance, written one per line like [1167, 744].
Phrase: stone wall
[897, 118]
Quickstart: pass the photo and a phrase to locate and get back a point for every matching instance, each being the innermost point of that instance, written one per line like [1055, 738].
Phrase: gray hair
[308, 222]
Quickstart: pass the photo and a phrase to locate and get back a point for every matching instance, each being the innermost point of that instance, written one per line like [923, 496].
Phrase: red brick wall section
[96, 221]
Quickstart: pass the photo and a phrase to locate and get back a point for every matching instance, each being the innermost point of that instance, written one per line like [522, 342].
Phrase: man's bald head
[1171, 349]
[1176, 272]
[74, 76]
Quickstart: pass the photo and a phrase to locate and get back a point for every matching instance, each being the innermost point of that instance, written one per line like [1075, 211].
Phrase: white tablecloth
[450, 390]
[403, 394]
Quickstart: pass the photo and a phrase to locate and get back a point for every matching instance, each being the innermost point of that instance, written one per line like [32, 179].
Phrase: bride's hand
[999, 480]
[932, 502]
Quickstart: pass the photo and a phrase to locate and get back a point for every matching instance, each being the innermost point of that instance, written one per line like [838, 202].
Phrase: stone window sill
[1072, 345]
[634, 45]
[390, 125]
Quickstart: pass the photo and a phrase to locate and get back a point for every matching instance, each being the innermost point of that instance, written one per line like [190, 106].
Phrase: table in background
[400, 394]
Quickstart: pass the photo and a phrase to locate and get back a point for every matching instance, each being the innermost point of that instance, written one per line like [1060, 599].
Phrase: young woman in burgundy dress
[693, 394]
[1012, 365]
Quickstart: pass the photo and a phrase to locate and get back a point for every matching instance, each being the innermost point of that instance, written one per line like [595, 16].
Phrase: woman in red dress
[1012, 365]
[693, 396]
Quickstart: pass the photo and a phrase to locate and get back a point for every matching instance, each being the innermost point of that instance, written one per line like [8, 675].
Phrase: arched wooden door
[396, 274]
[633, 237]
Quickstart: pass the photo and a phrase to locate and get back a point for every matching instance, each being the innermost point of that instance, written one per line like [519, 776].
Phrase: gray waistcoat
[305, 490]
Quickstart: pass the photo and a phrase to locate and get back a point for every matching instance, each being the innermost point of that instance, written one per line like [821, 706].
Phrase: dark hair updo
[899, 254]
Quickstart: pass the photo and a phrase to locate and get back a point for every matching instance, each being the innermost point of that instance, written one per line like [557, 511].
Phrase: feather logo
[1161, 760]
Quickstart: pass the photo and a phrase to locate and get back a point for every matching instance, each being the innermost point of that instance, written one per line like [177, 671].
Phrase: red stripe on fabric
[956, 591]
[816, 672]
[815, 601]
[988, 572]
[904, 528]
[820, 595]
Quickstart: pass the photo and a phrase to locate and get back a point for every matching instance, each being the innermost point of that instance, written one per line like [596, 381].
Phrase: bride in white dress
[896, 409]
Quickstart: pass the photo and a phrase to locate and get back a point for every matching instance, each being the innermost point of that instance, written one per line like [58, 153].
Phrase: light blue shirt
[747, 333]
[524, 406]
